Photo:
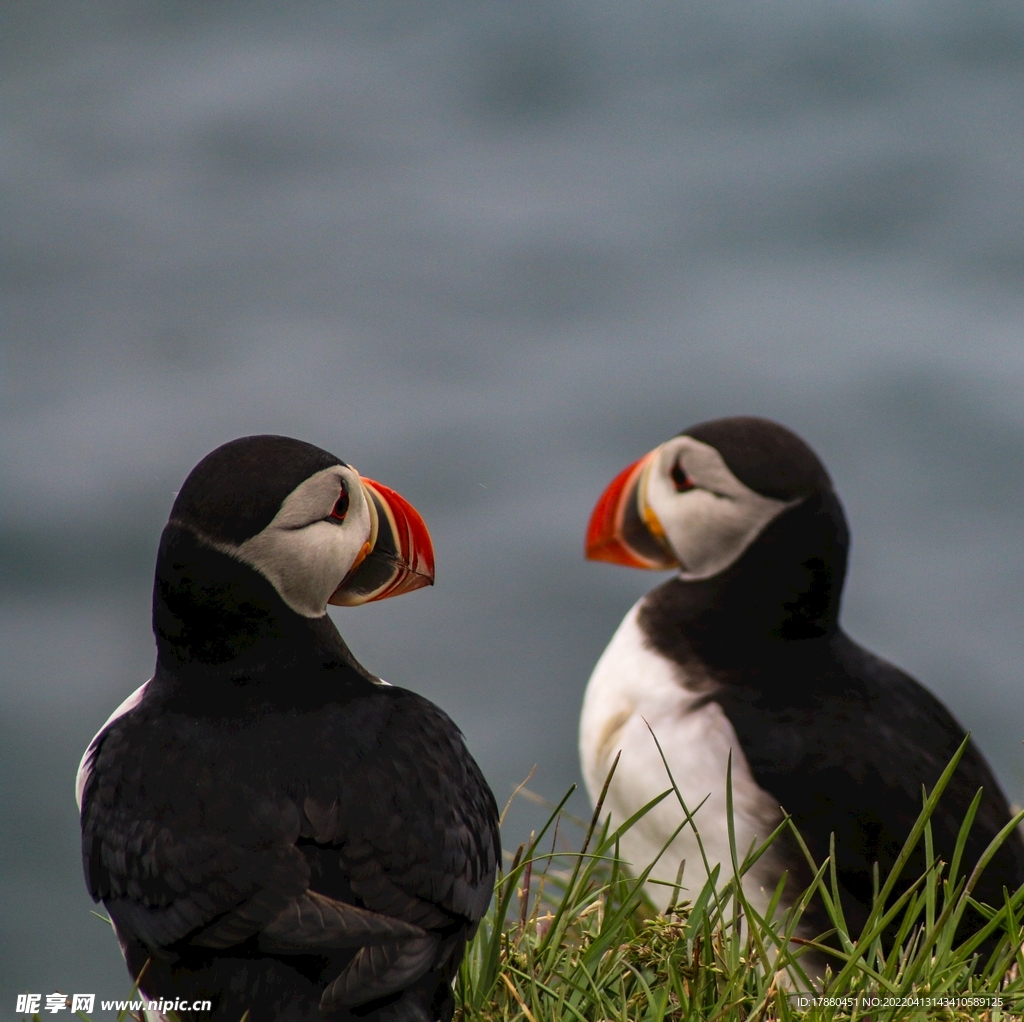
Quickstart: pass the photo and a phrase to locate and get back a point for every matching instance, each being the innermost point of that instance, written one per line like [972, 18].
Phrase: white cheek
[304, 556]
[305, 565]
[709, 533]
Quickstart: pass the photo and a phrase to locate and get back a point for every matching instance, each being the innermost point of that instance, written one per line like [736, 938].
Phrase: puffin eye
[680, 478]
[340, 508]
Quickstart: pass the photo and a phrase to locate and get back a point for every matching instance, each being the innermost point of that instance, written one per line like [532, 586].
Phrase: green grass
[571, 937]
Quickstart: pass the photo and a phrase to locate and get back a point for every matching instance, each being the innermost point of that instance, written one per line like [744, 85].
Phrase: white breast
[85, 766]
[632, 687]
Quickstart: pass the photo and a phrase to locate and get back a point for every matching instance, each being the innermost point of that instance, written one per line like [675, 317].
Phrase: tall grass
[572, 937]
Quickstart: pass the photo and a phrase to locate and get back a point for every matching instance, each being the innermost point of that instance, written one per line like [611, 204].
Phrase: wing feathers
[244, 921]
[315, 920]
[380, 970]
[376, 889]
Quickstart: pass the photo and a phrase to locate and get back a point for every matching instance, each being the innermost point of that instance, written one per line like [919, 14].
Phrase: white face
[304, 552]
[709, 525]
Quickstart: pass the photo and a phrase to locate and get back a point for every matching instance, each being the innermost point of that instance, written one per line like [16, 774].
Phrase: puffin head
[310, 524]
[701, 499]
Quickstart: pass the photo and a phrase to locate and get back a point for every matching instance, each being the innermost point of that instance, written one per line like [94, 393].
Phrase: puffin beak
[623, 529]
[398, 557]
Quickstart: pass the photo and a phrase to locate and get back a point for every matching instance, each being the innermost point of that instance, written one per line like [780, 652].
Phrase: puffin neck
[217, 618]
[784, 589]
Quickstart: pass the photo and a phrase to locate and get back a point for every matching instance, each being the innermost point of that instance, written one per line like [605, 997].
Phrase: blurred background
[490, 252]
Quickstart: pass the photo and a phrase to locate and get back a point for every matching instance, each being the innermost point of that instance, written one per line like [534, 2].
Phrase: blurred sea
[490, 252]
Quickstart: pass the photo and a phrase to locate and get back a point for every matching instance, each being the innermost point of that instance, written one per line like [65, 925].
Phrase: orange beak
[623, 529]
[399, 556]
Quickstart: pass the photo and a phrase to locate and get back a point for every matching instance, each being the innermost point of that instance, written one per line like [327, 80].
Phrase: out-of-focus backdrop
[490, 252]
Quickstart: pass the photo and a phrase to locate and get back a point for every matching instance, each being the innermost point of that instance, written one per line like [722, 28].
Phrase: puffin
[738, 663]
[271, 828]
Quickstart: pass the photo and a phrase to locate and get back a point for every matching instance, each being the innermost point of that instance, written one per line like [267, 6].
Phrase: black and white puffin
[742, 652]
[270, 826]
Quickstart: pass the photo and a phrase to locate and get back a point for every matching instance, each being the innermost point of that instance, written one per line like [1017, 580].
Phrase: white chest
[633, 687]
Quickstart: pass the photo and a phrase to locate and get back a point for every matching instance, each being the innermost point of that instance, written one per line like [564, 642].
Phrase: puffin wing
[193, 884]
[163, 884]
[315, 921]
[415, 825]
[392, 852]
[849, 756]
[412, 833]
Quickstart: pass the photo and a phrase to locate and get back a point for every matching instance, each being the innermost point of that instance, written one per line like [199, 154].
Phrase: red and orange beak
[398, 557]
[623, 529]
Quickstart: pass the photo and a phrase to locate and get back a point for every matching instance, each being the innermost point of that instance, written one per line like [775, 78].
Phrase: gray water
[489, 253]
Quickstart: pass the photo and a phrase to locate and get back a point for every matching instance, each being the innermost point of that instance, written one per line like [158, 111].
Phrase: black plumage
[272, 827]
